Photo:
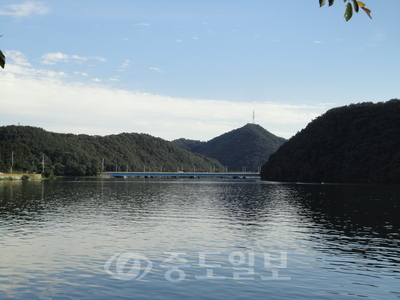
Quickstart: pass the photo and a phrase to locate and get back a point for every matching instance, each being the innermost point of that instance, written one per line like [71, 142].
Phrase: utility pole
[43, 164]
[102, 164]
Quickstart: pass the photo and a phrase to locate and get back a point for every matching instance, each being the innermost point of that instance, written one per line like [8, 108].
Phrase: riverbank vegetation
[354, 143]
[32, 149]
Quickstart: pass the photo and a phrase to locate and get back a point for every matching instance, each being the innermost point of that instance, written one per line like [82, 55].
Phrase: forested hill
[249, 146]
[70, 154]
[354, 143]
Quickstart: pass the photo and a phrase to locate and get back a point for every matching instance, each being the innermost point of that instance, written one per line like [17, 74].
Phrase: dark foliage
[70, 154]
[188, 145]
[354, 143]
[249, 146]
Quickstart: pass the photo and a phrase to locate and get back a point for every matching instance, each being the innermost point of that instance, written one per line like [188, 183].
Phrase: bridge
[235, 175]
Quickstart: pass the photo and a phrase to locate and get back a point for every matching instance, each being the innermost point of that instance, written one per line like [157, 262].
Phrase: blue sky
[192, 69]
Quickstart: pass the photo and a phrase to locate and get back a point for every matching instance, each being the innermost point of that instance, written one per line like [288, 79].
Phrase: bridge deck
[182, 174]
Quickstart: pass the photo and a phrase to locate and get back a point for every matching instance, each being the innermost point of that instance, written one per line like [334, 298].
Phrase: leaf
[331, 2]
[2, 59]
[360, 4]
[348, 12]
[367, 11]
[322, 3]
[356, 6]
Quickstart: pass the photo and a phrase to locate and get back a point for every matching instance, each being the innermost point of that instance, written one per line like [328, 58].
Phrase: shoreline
[21, 177]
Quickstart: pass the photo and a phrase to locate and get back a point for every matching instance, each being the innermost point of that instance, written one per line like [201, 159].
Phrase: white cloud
[17, 57]
[53, 58]
[178, 40]
[142, 24]
[79, 58]
[25, 9]
[46, 99]
[114, 79]
[124, 66]
[81, 73]
[96, 79]
[195, 38]
[26, 72]
[102, 59]
[157, 70]
[317, 42]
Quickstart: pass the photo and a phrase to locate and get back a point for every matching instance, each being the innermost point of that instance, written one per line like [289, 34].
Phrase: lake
[198, 239]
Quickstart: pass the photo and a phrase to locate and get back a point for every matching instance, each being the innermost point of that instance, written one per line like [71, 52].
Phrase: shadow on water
[354, 219]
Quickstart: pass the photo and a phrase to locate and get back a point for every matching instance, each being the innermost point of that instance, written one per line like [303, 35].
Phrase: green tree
[350, 8]
[2, 59]
[73, 155]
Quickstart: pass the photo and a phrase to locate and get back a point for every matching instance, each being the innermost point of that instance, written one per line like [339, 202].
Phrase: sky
[191, 69]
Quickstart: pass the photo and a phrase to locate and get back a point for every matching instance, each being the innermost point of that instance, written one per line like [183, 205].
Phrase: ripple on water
[57, 236]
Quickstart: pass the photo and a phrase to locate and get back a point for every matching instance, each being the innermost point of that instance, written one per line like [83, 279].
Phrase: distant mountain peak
[245, 148]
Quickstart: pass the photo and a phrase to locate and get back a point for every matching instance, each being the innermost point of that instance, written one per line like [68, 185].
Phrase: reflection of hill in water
[361, 219]
[338, 220]
[355, 210]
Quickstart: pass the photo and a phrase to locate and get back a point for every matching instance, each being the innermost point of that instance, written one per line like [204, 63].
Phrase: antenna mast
[254, 117]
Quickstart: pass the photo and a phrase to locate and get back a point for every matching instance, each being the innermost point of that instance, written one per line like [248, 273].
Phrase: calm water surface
[198, 239]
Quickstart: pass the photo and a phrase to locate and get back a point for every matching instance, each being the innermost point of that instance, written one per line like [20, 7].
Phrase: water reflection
[76, 225]
[353, 217]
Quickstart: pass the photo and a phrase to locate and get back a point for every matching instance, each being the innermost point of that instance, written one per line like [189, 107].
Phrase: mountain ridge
[70, 154]
[245, 148]
[353, 143]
